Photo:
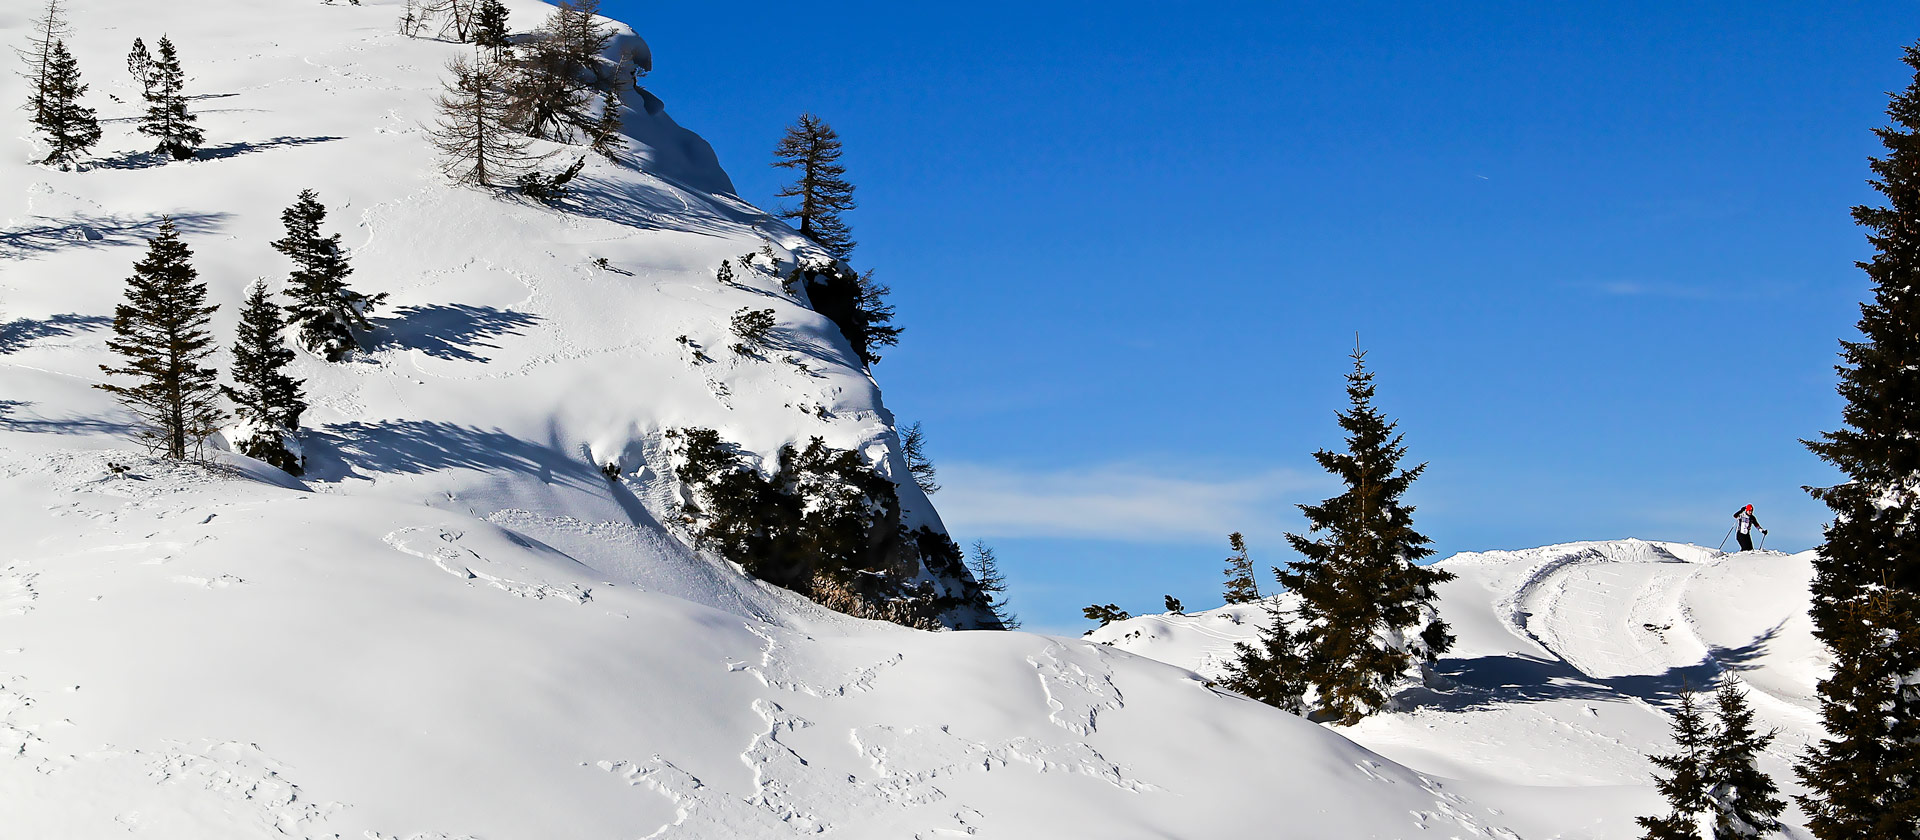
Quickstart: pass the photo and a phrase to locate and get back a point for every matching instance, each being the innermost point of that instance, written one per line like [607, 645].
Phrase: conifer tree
[1361, 594]
[490, 28]
[1744, 799]
[604, 135]
[324, 310]
[161, 334]
[577, 25]
[913, 445]
[812, 147]
[167, 117]
[140, 66]
[1685, 783]
[475, 144]
[1863, 778]
[1241, 586]
[1270, 670]
[70, 127]
[266, 398]
[48, 29]
[986, 572]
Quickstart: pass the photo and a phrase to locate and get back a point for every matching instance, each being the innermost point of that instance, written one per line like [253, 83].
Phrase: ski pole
[1723, 539]
[1763, 539]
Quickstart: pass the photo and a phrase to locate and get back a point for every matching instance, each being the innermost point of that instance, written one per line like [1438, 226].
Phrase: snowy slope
[455, 627]
[1567, 660]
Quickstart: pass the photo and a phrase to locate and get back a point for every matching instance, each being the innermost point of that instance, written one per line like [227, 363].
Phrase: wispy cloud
[1125, 502]
[1627, 288]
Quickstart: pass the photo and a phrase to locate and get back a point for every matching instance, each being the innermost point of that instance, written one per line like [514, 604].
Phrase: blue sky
[1599, 257]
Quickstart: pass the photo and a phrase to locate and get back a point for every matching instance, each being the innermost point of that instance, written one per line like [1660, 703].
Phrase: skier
[1747, 521]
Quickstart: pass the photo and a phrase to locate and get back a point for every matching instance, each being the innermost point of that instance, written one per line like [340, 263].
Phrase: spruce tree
[986, 572]
[1863, 778]
[913, 445]
[1241, 586]
[1367, 611]
[48, 29]
[324, 310]
[475, 144]
[490, 28]
[604, 135]
[167, 117]
[812, 146]
[1744, 799]
[161, 333]
[266, 398]
[1685, 783]
[140, 66]
[1270, 670]
[70, 127]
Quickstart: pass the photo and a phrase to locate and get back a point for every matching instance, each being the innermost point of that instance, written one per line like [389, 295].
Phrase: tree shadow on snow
[19, 333]
[655, 206]
[85, 231]
[1489, 682]
[150, 159]
[13, 418]
[452, 331]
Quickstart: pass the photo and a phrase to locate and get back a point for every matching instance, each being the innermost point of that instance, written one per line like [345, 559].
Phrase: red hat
[1749, 507]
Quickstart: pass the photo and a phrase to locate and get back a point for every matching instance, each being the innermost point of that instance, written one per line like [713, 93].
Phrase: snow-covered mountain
[456, 627]
[1568, 659]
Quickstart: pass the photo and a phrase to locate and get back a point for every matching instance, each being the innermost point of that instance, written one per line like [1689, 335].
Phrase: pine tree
[604, 135]
[1863, 778]
[872, 319]
[813, 147]
[1744, 799]
[1360, 590]
[161, 333]
[140, 66]
[475, 144]
[490, 28]
[986, 572]
[1685, 783]
[167, 117]
[1271, 670]
[913, 445]
[1241, 586]
[267, 399]
[48, 29]
[324, 310]
[70, 127]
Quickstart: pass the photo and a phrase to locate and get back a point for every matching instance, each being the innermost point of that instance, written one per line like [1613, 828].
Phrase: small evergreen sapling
[1744, 800]
[69, 127]
[986, 572]
[1685, 781]
[160, 333]
[324, 310]
[267, 400]
[490, 29]
[1241, 586]
[754, 327]
[140, 66]
[167, 118]
[1270, 669]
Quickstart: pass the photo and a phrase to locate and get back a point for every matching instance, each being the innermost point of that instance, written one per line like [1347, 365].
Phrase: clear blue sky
[1600, 257]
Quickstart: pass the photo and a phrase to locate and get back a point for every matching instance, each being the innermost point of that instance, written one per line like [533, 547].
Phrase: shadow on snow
[18, 334]
[451, 331]
[86, 231]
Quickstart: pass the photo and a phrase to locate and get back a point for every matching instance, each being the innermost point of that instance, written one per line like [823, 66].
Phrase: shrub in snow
[1241, 586]
[549, 189]
[1105, 614]
[753, 327]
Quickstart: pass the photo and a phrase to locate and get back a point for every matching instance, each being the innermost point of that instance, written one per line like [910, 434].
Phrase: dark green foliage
[48, 29]
[550, 189]
[1360, 592]
[1173, 606]
[1241, 587]
[167, 118]
[1105, 613]
[476, 146]
[753, 327]
[69, 127]
[604, 135]
[140, 65]
[161, 335]
[264, 396]
[857, 305]
[1685, 782]
[986, 573]
[1744, 800]
[490, 28]
[324, 310]
[1863, 779]
[913, 446]
[1270, 670]
[812, 146]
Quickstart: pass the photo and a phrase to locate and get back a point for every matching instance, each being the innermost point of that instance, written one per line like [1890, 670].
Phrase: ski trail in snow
[442, 546]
